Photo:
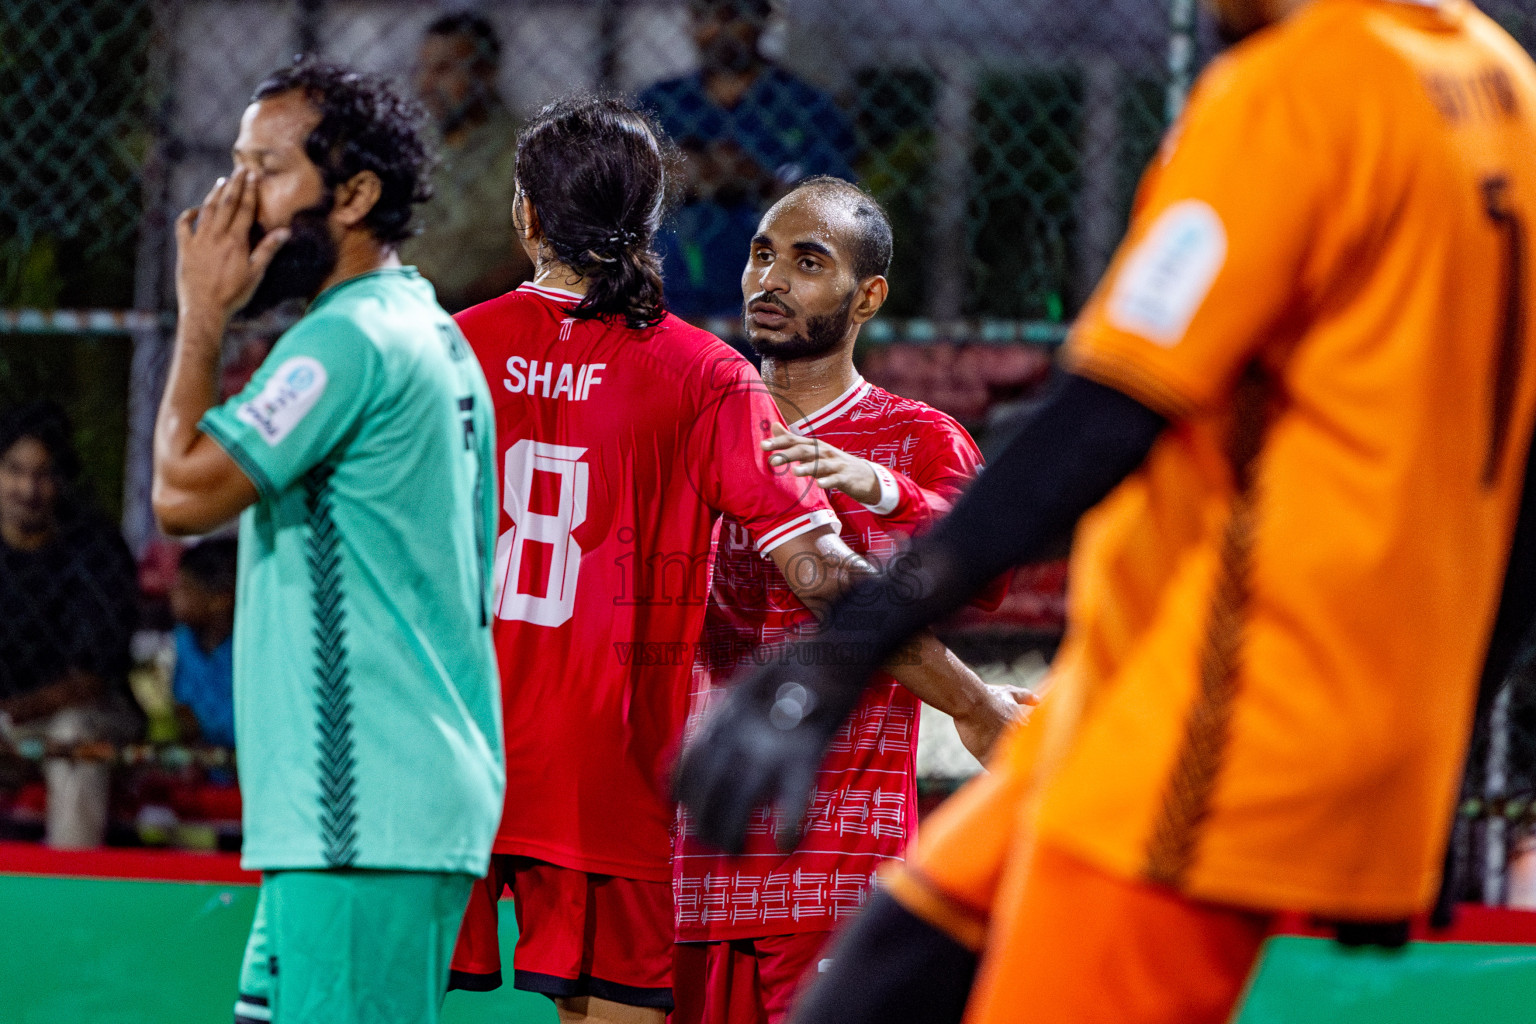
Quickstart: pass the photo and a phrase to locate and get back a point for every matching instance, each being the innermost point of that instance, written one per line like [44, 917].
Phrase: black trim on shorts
[468, 981]
[241, 1018]
[556, 987]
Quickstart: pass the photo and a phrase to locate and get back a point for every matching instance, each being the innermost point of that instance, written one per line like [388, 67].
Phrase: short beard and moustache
[455, 116]
[823, 334]
[301, 265]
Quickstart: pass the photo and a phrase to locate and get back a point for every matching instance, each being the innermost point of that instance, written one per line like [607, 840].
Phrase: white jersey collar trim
[839, 406]
[558, 294]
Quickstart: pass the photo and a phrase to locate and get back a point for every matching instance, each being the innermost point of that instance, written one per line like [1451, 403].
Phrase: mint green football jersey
[367, 701]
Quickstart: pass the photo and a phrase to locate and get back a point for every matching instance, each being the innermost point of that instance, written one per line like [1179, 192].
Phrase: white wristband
[890, 494]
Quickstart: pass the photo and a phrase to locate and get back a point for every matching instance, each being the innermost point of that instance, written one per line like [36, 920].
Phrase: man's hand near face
[197, 485]
[217, 271]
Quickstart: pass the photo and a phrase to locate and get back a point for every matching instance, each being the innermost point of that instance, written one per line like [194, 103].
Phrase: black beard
[823, 334]
[473, 106]
[301, 265]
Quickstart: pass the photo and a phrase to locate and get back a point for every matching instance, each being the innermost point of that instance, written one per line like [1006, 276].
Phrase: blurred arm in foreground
[764, 742]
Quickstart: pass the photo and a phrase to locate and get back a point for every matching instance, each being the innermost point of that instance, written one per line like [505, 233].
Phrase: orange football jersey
[1279, 621]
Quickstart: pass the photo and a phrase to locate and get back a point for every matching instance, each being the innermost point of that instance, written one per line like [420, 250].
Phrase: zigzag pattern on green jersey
[336, 764]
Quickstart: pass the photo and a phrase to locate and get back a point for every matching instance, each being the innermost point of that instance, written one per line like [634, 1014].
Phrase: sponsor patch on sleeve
[1167, 276]
[289, 394]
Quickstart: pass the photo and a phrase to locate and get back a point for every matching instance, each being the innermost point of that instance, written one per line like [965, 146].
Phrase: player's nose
[773, 279]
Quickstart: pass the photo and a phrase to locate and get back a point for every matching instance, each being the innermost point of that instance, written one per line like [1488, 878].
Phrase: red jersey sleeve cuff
[795, 527]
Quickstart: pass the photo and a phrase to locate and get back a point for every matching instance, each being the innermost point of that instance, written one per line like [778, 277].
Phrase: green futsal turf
[90, 951]
[1317, 981]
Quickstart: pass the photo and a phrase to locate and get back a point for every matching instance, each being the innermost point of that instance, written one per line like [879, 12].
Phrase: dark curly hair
[597, 173]
[364, 126]
[46, 422]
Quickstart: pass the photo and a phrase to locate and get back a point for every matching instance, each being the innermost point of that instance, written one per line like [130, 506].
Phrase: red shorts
[578, 934]
[744, 981]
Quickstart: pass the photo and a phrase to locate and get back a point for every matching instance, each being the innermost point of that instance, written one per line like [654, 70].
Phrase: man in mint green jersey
[366, 704]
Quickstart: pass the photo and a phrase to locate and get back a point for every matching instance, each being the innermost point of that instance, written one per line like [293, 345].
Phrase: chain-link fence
[1005, 138]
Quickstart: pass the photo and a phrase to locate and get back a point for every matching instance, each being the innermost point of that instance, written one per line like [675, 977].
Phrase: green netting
[72, 99]
[1006, 137]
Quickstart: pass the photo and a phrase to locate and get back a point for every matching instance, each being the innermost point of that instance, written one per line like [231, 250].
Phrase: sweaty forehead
[810, 216]
[277, 123]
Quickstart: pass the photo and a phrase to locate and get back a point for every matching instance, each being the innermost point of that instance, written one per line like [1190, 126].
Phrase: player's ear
[356, 197]
[872, 293]
[527, 219]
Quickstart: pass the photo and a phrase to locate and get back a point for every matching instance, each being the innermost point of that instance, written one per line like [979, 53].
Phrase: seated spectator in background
[67, 610]
[749, 132]
[203, 605]
[466, 247]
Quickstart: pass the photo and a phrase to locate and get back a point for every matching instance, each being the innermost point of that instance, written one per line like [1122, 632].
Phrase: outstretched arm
[762, 744]
[820, 568]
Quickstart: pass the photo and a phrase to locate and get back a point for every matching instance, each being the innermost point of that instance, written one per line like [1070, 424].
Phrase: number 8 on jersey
[537, 559]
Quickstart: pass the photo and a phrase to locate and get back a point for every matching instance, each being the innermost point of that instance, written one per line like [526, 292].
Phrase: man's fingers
[245, 205]
[801, 452]
[211, 217]
[835, 482]
[267, 248]
[799, 779]
[228, 201]
[727, 801]
[695, 766]
[184, 226]
[709, 780]
[782, 438]
[1018, 694]
[823, 470]
[790, 452]
[213, 193]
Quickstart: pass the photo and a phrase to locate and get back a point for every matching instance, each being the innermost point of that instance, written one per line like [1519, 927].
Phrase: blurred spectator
[67, 607]
[749, 131]
[466, 247]
[203, 605]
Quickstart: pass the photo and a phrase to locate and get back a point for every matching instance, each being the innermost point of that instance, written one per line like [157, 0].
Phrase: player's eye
[806, 263]
[764, 255]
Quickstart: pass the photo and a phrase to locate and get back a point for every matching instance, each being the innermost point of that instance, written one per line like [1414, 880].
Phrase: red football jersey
[865, 801]
[619, 449]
